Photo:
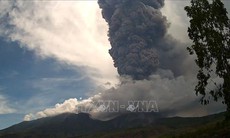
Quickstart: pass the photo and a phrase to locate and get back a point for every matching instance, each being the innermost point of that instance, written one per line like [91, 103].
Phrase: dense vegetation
[210, 32]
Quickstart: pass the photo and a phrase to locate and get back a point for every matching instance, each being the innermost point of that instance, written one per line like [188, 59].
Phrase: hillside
[129, 125]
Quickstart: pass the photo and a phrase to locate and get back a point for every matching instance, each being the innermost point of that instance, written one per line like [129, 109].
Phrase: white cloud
[87, 31]
[4, 107]
[176, 15]
[67, 106]
[72, 32]
[174, 97]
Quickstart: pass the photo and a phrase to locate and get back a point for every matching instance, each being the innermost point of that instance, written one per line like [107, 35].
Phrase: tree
[210, 32]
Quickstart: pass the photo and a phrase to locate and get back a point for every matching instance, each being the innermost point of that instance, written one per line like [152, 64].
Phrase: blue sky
[30, 84]
[51, 56]
[54, 51]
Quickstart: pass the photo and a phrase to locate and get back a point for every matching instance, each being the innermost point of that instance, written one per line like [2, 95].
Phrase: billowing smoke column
[137, 32]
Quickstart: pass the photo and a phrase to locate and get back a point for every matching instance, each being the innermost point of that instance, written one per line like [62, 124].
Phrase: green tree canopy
[210, 32]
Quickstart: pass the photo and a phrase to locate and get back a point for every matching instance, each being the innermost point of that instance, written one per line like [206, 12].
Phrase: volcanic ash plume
[137, 34]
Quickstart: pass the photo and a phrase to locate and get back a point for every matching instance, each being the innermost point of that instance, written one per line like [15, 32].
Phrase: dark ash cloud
[157, 63]
[138, 37]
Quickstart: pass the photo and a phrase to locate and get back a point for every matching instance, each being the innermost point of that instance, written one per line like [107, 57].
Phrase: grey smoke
[174, 96]
[138, 37]
[140, 47]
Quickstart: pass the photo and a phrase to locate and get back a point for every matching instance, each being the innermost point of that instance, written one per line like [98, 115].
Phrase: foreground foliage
[210, 32]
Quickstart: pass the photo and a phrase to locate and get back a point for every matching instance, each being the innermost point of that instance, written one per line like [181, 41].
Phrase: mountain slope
[79, 125]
